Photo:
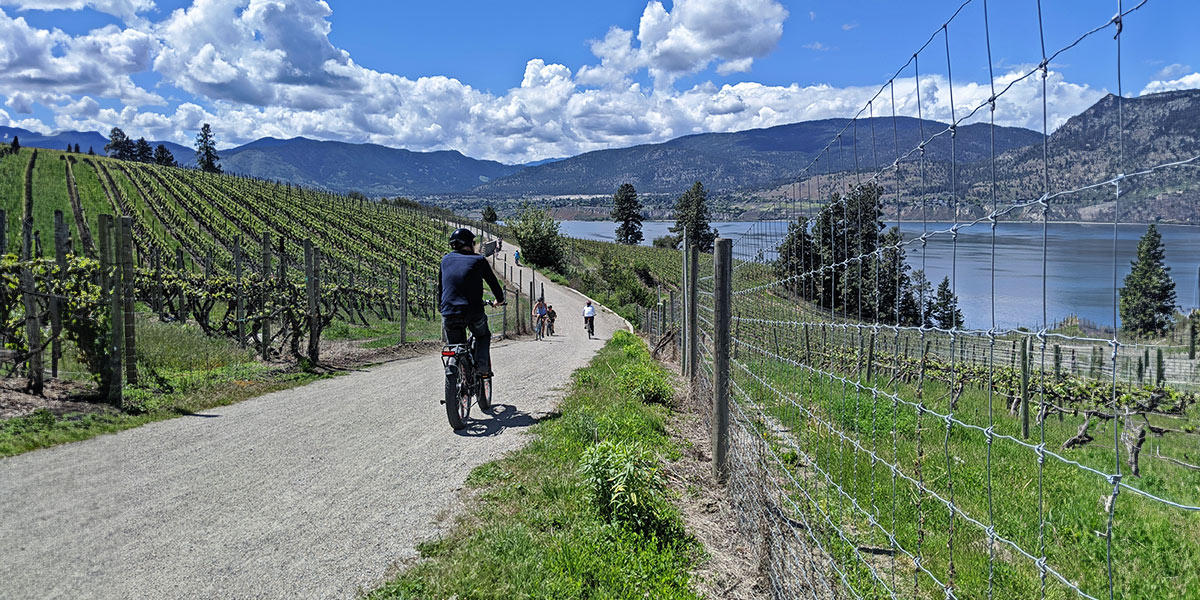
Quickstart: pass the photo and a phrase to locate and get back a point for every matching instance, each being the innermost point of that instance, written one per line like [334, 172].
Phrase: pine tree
[119, 145]
[1148, 298]
[206, 150]
[16, 145]
[76, 148]
[489, 214]
[68, 148]
[91, 151]
[944, 312]
[691, 217]
[163, 156]
[627, 212]
[142, 152]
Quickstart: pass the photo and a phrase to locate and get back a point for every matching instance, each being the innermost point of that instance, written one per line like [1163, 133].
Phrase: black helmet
[462, 238]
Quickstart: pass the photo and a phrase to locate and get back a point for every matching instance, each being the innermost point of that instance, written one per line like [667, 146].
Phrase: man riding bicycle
[460, 287]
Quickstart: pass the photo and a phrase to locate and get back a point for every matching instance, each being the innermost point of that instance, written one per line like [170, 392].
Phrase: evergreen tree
[919, 302]
[76, 148]
[119, 145]
[206, 150]
[489, 214]
[163, 156]
[944, 312]
[1148, 298]
[91, 151]
[68, 148]
[795, 258]
[691, 217]
[16, 145]
[627, 212]
[142, 152]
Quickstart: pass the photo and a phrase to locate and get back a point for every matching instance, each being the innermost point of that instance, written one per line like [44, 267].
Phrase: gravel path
[314, 492]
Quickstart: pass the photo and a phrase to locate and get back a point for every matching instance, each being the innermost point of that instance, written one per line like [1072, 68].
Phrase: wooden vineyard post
[403, 302]
[311, 284]
[60, 260]
[685, 290]
[722, 292]
[240, 297]
[156, 258]
[33, 329]
[693, 292]
[111, 277]
[127, 298]
[180, 300]
[1024, 390]
[265, 303]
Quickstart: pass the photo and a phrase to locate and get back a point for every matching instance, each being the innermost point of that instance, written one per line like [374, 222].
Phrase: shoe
[487, 375]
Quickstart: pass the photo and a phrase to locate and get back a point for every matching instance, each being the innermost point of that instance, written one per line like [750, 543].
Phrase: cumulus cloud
[1186, 82]
[258, 68]
[126, 9]
[100, 62]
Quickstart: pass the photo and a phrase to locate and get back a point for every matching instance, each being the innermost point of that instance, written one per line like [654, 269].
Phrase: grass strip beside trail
[183, 371]
[532, 528]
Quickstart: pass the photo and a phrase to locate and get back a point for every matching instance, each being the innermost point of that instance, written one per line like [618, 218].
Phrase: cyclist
[460, 287]
[517, 257]
[551, 316]
[539, 314]
[589, 318]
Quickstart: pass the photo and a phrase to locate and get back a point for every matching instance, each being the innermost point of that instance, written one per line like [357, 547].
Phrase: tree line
[122, 147]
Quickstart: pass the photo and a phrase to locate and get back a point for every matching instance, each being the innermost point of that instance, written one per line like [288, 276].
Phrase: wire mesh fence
[880, 447]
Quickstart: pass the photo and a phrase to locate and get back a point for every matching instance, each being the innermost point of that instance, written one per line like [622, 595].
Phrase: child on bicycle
[551, 316]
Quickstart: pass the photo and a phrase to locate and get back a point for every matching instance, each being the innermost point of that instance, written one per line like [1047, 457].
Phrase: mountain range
[761, 164]
[86, 140]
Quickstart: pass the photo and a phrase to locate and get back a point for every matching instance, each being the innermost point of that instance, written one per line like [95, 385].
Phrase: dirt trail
[313, 492]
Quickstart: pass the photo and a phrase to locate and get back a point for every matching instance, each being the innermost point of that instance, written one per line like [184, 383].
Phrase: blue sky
[522, 80]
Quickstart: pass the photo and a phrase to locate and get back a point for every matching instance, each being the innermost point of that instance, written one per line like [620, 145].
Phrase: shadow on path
[502, 417]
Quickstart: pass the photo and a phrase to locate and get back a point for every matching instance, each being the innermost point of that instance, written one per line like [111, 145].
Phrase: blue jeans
[455, 327]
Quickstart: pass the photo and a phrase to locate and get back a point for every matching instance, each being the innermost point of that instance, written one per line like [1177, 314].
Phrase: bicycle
[589, 323]
[540, 328]
[463, 383]
[550, 326]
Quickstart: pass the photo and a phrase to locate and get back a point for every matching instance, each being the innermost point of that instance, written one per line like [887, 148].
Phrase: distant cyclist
[460, 287]
[589, 318]
[517, 257]
[551, 316]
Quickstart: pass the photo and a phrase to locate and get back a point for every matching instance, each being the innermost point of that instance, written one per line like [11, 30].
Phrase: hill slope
[368, 168]
[754, 158]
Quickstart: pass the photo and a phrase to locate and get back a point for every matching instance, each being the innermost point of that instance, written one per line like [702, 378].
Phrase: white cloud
[39, 61]
[849, 26]
[1172, 71]
[818, 46]
[126, 9]
[1187, 82]
[267, 68]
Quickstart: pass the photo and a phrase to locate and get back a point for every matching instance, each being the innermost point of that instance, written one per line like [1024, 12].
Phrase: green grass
[810, 418]
[532, 531]
[182, 371]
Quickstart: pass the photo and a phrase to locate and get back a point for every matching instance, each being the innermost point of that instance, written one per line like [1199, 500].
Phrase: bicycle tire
[453, 402]
[485, 394]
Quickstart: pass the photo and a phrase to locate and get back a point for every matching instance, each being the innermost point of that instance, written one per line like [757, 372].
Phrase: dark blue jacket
[461, 284]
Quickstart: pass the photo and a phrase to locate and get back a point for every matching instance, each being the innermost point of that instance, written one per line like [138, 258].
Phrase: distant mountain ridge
[754, 158]
[368, 168]
[85, 139]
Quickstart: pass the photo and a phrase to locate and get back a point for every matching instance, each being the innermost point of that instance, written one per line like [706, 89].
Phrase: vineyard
[93, 244]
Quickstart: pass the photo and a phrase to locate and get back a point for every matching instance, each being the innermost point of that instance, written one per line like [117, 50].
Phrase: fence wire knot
[1040, 450]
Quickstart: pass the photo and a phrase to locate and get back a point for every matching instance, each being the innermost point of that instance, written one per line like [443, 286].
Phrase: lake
[1079, 263]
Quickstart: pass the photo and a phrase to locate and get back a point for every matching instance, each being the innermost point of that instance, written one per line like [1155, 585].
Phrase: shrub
[646, 382]
[626, 489]
[537, 235]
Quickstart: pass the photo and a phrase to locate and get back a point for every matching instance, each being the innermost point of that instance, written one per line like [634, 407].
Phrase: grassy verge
[182, 371]
[379, 333]
[543, 524]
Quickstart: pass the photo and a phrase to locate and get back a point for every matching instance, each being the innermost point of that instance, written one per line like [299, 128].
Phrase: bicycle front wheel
[485, 394]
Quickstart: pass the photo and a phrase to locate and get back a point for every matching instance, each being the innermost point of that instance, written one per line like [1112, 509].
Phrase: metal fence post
[722, 292]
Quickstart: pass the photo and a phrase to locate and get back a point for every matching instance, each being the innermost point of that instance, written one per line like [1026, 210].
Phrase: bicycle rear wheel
[457, 407]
